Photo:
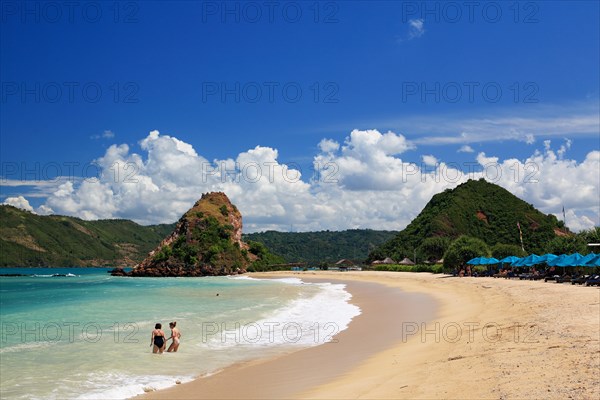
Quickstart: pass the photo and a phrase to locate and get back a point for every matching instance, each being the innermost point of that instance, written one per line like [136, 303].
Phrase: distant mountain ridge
[479, 209]
[323, 246]
[30, 240]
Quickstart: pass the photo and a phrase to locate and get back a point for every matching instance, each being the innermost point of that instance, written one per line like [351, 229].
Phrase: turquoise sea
[87, 335]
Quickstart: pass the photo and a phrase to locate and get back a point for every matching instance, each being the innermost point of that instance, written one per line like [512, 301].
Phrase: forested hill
[479, 209]
[324, 246]
[31, 240]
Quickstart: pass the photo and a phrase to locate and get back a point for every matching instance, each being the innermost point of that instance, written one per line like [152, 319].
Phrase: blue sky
[498, 79]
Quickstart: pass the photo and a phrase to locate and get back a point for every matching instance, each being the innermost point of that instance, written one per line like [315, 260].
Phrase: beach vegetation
[433, 248]
[265, 260]
[590, 235]
[462, 250]
[434, 268]
[501, 250]
[567, 245]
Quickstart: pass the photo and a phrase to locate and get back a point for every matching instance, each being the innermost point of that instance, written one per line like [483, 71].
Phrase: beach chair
[593, 280]
[580, 280]
[563, 278]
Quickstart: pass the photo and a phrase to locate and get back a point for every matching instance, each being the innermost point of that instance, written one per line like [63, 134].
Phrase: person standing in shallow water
[175, 335]
[158, 339]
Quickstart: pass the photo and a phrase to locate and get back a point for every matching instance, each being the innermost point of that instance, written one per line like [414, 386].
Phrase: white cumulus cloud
[328, 145]
[429, 160]
[19, 202]
[362, 183]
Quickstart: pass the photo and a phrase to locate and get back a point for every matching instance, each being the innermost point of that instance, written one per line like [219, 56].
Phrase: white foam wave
[117, 386]
[291, 281]
[240, 277]
[302, 322]
[26, 346]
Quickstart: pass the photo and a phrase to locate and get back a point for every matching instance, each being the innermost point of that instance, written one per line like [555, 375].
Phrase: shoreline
[301, 369]
[489, 338]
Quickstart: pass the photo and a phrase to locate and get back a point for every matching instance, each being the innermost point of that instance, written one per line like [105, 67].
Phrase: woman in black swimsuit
[158, 339]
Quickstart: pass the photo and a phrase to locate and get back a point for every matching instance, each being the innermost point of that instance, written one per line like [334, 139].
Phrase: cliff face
[207, 240]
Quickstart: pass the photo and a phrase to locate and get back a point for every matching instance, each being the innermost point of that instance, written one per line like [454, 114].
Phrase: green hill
[479, 209]
[324, 246]
[30, 240]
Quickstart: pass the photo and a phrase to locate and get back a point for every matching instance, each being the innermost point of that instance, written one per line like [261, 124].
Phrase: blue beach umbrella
[510, 259]
[475, 261]
[564, 260]
[490, 261]
[528, 261]
[594, 262]
[547, 257]
[574, 260]
[518, 262]
[558, 261]
[585, 259]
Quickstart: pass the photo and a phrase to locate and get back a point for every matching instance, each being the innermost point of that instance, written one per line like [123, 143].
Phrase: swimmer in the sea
[158, 339]
[175, 335]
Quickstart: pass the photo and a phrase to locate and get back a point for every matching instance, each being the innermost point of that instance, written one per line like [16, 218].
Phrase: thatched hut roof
[386, 260]
[406, 261]
[345, 261]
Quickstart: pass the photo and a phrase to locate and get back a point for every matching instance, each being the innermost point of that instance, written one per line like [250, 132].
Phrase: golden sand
[486, 339]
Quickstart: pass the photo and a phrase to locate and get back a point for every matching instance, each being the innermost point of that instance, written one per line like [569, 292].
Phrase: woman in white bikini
[175, 335]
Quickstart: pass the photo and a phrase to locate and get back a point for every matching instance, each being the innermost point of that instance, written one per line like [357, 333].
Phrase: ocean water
[87, 336]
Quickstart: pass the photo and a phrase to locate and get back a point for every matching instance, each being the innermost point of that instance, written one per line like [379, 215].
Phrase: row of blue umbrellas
[483, 261]
[552, 260]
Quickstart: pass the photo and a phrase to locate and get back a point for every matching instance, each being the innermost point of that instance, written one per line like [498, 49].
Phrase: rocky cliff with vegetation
[207, 240]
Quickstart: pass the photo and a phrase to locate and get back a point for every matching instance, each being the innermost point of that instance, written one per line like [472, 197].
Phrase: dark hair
[173, 324]
[157, 326]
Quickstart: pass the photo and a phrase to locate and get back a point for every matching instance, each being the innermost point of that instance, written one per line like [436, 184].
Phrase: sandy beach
[424, 336]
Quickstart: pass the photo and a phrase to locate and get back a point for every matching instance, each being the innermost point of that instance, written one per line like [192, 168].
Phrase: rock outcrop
[207, 240]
